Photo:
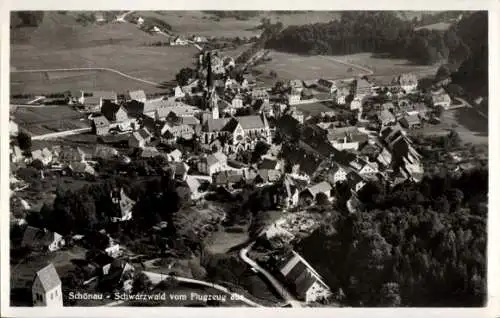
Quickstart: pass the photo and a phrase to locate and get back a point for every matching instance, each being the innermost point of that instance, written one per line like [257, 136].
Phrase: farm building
[46, 289]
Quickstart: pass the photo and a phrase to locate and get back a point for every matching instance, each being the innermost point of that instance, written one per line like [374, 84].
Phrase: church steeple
[209, 72]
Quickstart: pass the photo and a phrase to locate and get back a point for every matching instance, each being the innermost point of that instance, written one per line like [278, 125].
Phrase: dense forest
[384, 33]
[20, 19]
[418, 244]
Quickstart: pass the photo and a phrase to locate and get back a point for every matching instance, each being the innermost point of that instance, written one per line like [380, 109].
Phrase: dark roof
[109, 110]
[251, 122]
[301, 277]
[48, 277]
[216, 124]
[268, 164]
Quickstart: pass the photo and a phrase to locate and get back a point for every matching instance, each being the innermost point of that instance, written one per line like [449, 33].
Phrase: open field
[75, 81]
[155, 64]
[471, 127]
[382, 65]
[293, 66]
[44, 120]
[202, 23]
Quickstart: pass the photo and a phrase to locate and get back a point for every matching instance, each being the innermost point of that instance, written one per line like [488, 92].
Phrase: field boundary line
[107, 69]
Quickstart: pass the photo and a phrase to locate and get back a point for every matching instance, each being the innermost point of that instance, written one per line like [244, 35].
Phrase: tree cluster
[417, 244]
[372, 31]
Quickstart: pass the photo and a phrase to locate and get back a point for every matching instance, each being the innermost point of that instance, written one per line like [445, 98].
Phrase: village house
[228, 178]
[16, 154]
[179, 41]
[356, 104]
[411, 122]
[125, 205]
[199, 39]
[138, 96]
[140, 138]
[178, 170]
[44, 155]
[68, 154]
[329, 85]
[384, 158]
[346, 138]
[343, 89]
[43, 239]
[96, 99]
[175, 155]
[267, 176]
[408, 82]
[403, 151]
[336, 173]
[118, 117]
[364, 168]
[178, 108]
[81, 168]
[309, 194]
[117, 275]
[260, 94]
[386, 118]
[213, 163]
[308, 284]
[355, 181]
[296, 84]
[100, 125]
[177, 130]
[294, 97]
[105, 152]
[441, 99]
[46, 289]
[150, 152]
[13, 128]
[178, 92]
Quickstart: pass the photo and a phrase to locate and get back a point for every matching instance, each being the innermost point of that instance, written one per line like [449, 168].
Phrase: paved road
[107, 69]
[276, 284]
[62, 133]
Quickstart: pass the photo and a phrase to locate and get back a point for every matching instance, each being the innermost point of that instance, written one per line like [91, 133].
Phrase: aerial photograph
[248, 158]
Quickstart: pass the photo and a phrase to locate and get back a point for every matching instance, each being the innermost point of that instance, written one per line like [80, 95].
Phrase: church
[236, 133]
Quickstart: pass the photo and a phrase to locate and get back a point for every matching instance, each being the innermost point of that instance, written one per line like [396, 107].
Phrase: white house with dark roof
[100, 125]
[46, 289]
[139, 138]
[308, 284]
[96, 99]
[312, 191]
[42, 239]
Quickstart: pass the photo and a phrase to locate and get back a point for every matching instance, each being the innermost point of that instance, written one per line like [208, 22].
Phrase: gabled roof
[100, 121]
[48, 277]
[323, 187]
[139, 95]
[251, 122]
[216, 124]
[268, 164]
[34, 236]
